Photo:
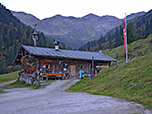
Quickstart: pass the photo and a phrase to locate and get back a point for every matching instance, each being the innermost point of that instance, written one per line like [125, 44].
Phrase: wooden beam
[53, 74]
[77, 61]
[45, 60]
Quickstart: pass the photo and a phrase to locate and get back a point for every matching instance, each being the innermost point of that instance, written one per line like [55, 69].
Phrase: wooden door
[72, 70]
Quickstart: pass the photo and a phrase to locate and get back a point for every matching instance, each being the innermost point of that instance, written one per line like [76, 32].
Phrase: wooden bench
[53, 75]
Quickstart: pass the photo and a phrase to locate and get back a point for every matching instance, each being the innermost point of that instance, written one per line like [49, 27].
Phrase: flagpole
[126, 39]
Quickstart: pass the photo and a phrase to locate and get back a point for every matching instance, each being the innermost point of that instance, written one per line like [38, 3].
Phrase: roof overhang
[23, 47]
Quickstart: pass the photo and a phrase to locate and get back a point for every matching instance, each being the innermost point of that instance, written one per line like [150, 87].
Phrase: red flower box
[30, 70]
[19, 74]
[33, 69]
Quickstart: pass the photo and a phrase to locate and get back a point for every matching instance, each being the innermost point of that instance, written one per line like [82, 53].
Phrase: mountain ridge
[72, 31]
[138, 27]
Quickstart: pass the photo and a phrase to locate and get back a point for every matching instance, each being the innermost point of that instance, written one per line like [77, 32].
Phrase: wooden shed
[39, 63]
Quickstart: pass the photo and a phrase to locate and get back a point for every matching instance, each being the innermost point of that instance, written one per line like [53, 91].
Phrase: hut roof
[67, 54]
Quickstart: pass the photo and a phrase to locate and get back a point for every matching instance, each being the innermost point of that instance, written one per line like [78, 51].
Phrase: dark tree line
[12, 34]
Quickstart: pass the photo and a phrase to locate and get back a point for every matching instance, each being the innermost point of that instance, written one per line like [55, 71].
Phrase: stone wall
[28, 79]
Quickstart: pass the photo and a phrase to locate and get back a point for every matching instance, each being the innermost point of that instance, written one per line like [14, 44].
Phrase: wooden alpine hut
[39, 63]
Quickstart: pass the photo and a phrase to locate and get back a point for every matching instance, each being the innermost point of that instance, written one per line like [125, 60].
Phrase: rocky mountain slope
[27, 19]
[138, 27]
[74, 32]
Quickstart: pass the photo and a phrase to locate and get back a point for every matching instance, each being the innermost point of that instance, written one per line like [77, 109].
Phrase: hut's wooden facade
[38, 63]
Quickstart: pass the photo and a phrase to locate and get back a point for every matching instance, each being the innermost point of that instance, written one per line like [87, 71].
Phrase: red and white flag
[124, 35]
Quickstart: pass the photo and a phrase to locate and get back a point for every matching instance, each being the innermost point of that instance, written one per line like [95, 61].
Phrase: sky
[78, 8]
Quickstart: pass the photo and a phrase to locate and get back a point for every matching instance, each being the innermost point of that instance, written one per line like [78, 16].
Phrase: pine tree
[131, 36]
[109, 40]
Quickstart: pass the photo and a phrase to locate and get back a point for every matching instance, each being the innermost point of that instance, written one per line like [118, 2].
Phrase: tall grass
[132, 81]
[8, 77]
[22, 84]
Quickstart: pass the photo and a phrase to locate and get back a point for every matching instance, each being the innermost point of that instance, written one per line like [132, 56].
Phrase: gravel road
[54, 100]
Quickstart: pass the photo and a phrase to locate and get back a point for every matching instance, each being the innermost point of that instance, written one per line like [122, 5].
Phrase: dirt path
[3, 84]
[54, 100]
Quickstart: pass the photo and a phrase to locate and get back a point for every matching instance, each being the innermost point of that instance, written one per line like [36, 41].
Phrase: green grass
[114, 81]
[22, 84]
[9, 77]
[137, 48]
[1, 92]
[19, 84]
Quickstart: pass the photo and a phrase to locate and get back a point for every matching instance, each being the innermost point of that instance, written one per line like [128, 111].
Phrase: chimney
[57, 43]
[100, 51]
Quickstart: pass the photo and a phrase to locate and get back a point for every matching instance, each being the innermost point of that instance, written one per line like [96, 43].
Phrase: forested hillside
[12, 34]
[137, 28]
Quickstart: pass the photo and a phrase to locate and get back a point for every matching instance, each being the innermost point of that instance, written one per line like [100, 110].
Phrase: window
[47, 66]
